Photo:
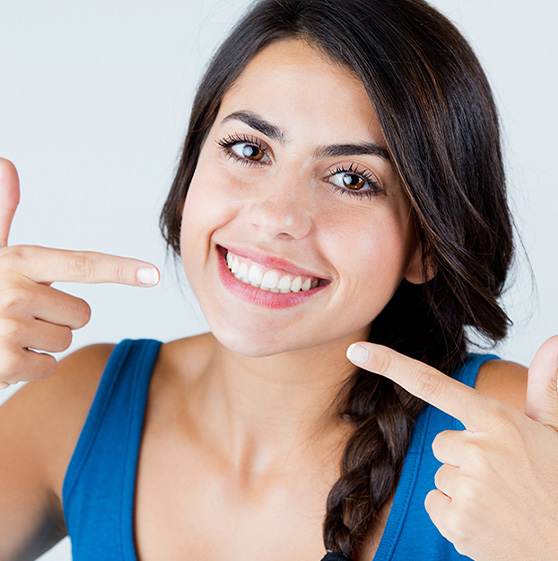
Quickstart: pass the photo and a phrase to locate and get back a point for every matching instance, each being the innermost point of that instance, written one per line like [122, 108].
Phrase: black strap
[336, 556]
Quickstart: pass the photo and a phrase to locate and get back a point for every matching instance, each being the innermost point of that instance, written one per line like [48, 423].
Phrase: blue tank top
[99, 486]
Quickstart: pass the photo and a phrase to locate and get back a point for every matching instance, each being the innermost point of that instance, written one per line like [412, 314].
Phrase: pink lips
[272, 262]
[262, 297]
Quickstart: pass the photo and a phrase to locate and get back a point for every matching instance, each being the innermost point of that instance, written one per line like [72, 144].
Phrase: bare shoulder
[504, 380]
[47, 416]
[39, 428]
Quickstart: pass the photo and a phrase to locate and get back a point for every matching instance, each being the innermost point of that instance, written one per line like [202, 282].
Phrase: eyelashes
[249, 158]
[345, 180]
[363, 176]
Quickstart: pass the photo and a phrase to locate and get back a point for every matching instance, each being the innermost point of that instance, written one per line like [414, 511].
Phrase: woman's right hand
[33, 315]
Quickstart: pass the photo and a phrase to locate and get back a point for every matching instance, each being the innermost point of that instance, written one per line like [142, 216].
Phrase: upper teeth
[272, 280]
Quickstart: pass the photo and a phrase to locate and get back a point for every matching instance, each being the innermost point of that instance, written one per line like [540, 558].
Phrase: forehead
[295, 86]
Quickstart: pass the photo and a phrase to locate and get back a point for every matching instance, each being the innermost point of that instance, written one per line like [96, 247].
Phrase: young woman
[341, 182]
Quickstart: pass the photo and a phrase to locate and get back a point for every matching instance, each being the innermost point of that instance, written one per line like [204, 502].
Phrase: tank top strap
[99, 486]
[409, 532]
[467, 375]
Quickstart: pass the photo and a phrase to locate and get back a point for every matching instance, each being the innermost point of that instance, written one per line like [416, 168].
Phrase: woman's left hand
[497, 490]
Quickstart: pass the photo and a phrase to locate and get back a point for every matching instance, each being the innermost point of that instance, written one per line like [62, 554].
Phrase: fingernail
[148, 276]
[358, 354]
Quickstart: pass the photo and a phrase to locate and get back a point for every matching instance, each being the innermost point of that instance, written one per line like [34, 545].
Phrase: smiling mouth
[268, 278]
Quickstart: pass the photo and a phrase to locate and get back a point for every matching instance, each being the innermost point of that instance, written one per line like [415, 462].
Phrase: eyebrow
[331, 151]
[257, 123]
[360, 149]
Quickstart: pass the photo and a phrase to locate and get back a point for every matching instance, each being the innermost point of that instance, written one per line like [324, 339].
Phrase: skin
[496, 495]
[239, 447]
[288, 208]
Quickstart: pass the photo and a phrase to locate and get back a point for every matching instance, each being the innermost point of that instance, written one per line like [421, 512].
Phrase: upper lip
[272, 262]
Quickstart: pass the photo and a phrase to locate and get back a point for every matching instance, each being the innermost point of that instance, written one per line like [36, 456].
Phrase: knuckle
[502, 411]
[120, 272]
[439, 478]
[10, 330]
[66, 337]
[383, 360]
[440, 442]
[11, 365]
[11, 297]
[474, 454]
[12, 256]
[428, 383]
[512, 427]
[468, 494]
[504, 416]
[82, 265]
[457, 529]
[436, 507]
[514, 436]
[18, 259]
[28, 296]
[429, 502]
[83, 312]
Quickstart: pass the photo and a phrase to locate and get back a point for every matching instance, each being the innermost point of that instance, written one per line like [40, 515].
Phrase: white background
[94, 102]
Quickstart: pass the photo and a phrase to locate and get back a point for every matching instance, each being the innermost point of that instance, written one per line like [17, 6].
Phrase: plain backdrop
[94, 102]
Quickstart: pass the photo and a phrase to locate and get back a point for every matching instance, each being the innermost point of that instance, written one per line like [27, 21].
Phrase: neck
[266, 414]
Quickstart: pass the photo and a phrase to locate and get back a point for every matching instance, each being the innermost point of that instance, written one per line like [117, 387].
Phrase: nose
[282, 209]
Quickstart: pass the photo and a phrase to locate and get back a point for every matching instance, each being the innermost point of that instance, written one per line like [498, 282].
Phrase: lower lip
[256, 295]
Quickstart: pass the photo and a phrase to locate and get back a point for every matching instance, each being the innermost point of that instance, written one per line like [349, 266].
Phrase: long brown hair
[441, 127]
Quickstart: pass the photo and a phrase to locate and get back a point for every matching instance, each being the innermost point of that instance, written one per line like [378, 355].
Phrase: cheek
[375, 244]
[205, 209]
[372, 252]
[211, 205]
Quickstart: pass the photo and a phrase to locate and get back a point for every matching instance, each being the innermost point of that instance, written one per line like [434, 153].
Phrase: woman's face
[294, 180]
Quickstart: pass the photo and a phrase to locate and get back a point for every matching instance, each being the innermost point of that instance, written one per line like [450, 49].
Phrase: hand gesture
[497, 490]
[33, 315]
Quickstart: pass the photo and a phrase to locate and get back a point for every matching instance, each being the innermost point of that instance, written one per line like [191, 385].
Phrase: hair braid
[371, 461]
[383, 416]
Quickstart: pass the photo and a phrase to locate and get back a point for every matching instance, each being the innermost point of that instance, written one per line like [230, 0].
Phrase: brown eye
[353, 181]
[248, 151]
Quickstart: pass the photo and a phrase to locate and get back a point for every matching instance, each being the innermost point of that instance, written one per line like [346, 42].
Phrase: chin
[249, 344]
[255, 343]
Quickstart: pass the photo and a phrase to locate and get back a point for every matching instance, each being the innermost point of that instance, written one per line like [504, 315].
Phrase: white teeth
[296, 285]
[255, 276]
[236, 265]
[243, 273]
[270, 281]
[284, 285]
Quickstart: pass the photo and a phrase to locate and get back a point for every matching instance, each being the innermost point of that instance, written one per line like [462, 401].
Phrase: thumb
[9, 198]
[541, 403]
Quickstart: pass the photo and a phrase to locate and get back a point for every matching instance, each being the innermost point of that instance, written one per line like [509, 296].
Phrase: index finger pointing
[466, 404]
[46, 265]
